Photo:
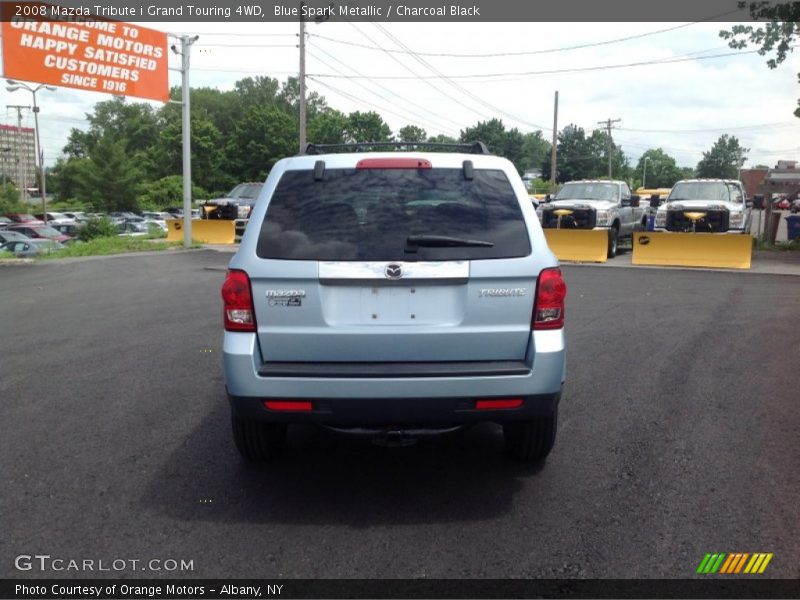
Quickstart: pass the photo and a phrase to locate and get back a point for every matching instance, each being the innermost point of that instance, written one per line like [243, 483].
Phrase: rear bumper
[406, 398]
[408, 412]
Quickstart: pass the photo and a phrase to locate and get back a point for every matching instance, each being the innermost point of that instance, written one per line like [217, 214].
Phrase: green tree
[367, 127]
[575, 156]
[508, 144]
[412, 133]
[598, 144]
[327, 127]
[167, 191]
[67, 179]
[723, 160]
[535, 150]
[263, 136]
[662, 170]
[112, 179]
[210, 168]
[778, 35]
[442, 139]
[289, 99]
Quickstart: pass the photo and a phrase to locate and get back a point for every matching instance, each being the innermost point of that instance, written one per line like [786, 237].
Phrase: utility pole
[302, 99]
[553, 149]
[22, 159]
[608, 123]
[185, 53]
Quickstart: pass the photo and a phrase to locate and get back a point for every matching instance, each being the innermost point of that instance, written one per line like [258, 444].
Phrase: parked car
[795, 205]
[606, 205]
[79, 217]
[55, 218]
[4, 222]
[414, 291]
[70, 229]
[133, 229]
[24, 218]
[42, 231]
[722, 202]
[174, 211]
[156, 215]
[9, 235]
[782, 204]
[32, 247]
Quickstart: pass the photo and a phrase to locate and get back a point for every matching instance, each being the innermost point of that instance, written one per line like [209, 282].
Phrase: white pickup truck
[596, 204]
[705, 206]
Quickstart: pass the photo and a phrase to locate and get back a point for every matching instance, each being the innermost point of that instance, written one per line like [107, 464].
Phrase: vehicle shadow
[325, 477]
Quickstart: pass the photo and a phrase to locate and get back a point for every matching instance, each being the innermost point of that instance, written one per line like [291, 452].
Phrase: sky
[681, 107]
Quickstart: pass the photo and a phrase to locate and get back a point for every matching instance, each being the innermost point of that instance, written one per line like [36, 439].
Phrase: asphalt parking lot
[678, 436]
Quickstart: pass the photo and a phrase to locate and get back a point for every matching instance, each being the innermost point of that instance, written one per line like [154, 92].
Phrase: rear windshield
[588, 191]
[246, 191]
[368, 214]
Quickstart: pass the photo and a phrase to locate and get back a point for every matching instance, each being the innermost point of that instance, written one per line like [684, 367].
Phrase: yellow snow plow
[206, 231]
[715, 250]
[576, 245]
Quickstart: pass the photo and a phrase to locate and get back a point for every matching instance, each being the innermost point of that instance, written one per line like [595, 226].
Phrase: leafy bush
[167, 191]
[10, 200]
[96, 228]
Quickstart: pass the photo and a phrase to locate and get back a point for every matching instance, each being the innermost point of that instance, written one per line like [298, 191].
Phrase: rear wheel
[613, 242]
[531, 440]
[258, 441]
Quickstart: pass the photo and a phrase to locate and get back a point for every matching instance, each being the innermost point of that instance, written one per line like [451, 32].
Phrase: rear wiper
[413, 242]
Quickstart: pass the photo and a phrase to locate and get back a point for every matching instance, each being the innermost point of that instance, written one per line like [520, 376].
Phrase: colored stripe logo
[734, 563]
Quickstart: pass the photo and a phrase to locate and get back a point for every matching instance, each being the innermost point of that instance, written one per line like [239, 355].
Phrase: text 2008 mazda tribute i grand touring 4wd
[394, 291]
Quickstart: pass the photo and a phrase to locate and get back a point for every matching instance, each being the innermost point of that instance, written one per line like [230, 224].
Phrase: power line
[485, 76]
[455, 85]
[521, 52]
[419, 117]
[356, 99]
[426, 109]
[711, 130]
[416, 76]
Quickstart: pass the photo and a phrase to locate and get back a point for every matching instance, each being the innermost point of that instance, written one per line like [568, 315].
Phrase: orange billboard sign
[86, 53]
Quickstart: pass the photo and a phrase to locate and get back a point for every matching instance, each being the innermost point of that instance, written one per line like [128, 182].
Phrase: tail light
[500, 403]
[289, 405]
[237, 297]
[548, 309]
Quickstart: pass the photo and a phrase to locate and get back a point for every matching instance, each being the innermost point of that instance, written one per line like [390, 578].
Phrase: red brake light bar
[393, 163]
[499, 403]
[288, 405]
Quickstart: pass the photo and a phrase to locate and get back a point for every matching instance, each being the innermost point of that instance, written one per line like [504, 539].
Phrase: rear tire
[258, 441]
[531, 440]
[613, 242]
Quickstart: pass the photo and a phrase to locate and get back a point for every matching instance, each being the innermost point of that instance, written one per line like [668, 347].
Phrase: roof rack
[472, 148]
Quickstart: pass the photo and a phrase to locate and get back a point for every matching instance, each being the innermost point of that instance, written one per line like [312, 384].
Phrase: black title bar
[384, 10]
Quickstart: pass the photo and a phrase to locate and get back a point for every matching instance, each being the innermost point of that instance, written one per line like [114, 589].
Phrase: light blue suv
[393, 292]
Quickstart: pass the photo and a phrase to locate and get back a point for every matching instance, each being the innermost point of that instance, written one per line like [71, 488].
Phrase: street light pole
[13, 86]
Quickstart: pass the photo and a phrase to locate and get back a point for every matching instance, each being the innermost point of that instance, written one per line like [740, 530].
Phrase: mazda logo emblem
[393, 271]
